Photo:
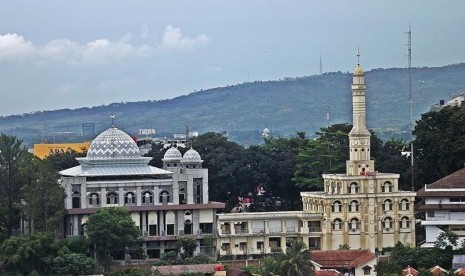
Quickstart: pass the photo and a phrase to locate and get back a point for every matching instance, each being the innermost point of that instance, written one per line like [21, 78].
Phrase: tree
[388, 268]
[344, 246]
[63, 161]
[10, 184]
[28, 253]
[446, 238]
[188, 247]
[111, 230]
[73, 264]
[439, 144]
[269, 267]
[41, 193]
[297, 260]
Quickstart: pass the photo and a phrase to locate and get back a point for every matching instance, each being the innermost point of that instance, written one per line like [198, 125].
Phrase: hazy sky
[68, 54]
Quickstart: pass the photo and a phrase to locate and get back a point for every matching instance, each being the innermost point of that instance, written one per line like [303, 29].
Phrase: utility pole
[409, 69]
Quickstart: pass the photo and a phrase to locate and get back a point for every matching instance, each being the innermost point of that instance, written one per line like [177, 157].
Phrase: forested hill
[285, 106]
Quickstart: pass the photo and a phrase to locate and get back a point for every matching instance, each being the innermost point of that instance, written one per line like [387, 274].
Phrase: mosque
[166, 204]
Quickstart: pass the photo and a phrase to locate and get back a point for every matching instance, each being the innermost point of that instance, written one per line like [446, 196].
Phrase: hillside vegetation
[285, 106]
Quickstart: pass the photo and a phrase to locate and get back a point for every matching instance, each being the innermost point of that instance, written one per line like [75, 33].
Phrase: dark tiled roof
[180, 269]
[455, 180]
[328, 272]
[210, 205]
[339, 259]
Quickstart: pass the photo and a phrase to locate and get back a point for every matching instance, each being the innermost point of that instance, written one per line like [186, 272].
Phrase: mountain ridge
[285, 106]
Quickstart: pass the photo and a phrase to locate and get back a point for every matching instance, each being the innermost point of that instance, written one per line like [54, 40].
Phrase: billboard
[44, 150]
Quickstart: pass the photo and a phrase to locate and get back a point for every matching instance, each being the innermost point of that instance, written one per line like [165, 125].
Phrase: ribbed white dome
[191, 155]
[113, 144]
[172, 154]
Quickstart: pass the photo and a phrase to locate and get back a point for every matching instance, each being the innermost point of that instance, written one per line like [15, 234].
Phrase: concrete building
[166, 204]
[362, 207]
[255, 234]
[443, 202]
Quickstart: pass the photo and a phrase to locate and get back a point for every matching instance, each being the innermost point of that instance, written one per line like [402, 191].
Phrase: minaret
[359, 136]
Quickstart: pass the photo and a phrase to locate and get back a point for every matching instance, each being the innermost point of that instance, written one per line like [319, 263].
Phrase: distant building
[166, 204]
[457, 100]
[443, 203]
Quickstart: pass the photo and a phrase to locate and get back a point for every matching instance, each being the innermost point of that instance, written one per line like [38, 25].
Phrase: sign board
[44, 150]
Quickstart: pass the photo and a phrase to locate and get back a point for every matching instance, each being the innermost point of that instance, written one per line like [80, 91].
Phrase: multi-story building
[443, 202]
[362, 207]
[249, 234]
[165, 204]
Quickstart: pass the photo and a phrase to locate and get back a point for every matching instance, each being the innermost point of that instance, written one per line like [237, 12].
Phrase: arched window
[112, 198]
[147, 198]
[354, 224]
[387, 205]
[387, 187]
[387, 223]
[337, 206]
[333, 187]
[337, 224]
[353, 207]
[164, 197]
[94, 199]
[353, 188]
[404, 205]
[338, 188]
[129, 199]
[404, 223]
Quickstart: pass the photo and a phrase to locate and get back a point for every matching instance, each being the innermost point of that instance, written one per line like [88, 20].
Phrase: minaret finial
[112, 116]
[358, 56]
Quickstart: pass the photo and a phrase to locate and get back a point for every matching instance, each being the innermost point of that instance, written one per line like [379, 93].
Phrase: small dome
[113, 144]
[358, 70]
[172, 154]
[191, 155]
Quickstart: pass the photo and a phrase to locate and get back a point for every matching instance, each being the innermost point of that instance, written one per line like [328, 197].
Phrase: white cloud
[102, 51]
[14, 47]
[173, 39]
[144, 30]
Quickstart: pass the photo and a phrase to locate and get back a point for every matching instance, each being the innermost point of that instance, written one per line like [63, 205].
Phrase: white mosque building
[166, 204]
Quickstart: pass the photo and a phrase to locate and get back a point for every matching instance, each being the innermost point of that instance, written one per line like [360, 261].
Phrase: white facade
[444, 205]
[165, 204]
[249, 234]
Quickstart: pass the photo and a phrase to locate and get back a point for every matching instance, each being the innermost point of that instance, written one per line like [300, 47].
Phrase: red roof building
[353, 262]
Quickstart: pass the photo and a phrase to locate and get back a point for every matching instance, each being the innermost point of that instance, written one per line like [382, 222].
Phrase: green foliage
[269, 267]
[424, 272]
[28, 253]
[388, 268]
[110, 230]
[297, 260]
[439, 144]
[63, 161]
[42, 194]
[73, 264]
[344, 246]
[133, 272]
[418, 257]
[10, 184]
[446, 238]
[79, 245]
[188, 247]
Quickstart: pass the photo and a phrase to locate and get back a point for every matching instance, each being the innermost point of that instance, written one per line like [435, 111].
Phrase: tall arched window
[112, 198]
[94, 199]
[387, 205]
[404, 223]
[129, 199]
[354, 224]
[338, 188]
[353, 188]
[404, 205]
[387, 223]
[337, 224]
[147, 198]
[336, 207]
[164, 197]
[387, 187]
[353, 207]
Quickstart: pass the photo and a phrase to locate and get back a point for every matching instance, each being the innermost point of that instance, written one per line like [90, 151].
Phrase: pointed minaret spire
[112, 116]
[359, 137]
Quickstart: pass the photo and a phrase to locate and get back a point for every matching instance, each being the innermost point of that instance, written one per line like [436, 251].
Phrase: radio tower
[321, 66]
[409, 69]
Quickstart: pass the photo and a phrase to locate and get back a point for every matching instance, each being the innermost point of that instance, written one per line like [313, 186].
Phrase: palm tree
[297, 260]
[269, 267]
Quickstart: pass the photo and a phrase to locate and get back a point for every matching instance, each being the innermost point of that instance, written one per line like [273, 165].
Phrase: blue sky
[69, 54]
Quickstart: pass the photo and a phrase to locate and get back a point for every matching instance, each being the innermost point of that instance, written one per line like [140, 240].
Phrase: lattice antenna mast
[321, 66]
[410, 96]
